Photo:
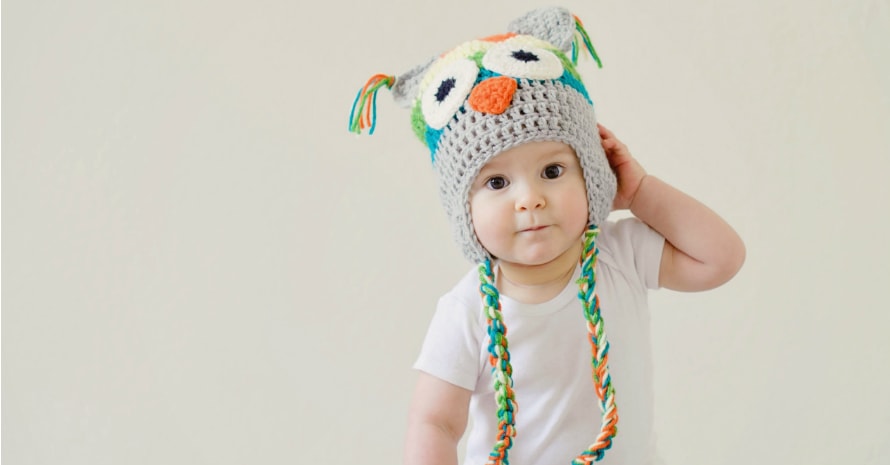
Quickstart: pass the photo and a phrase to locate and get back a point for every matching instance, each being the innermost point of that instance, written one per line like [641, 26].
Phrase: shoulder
[626, 236]
[455, 335]
[631, 246]
[462, 304]
[466, 290]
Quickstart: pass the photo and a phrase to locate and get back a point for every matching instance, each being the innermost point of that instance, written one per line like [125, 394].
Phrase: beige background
[202, 266]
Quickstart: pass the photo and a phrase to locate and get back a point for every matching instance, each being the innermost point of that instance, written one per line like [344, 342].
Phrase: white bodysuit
[558, 416]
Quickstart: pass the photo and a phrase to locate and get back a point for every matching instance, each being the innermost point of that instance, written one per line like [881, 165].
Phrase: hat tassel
[586, 38]
[364, 108]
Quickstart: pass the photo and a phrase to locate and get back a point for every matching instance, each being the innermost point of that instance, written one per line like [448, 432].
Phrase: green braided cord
[587, 43]
[501, 370]
[602, 381]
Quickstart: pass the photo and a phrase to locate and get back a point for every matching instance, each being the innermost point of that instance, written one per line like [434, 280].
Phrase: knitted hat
[479, 99]
[488, 95]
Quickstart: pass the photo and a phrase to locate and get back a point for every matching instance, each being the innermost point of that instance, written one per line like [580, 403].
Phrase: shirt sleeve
[451, 348]
[634, 246]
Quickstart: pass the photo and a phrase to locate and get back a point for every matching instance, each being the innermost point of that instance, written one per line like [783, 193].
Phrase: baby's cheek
[580, 211]
[487, 229]
[482, 228]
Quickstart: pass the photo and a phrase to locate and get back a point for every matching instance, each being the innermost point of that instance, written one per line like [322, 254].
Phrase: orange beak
[493, 95]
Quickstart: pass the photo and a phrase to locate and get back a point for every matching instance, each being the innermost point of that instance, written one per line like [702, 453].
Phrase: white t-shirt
[558, 416]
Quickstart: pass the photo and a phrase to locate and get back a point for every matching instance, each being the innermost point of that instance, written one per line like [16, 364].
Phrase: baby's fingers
[609, 141]
[615, 148]
[604, 131]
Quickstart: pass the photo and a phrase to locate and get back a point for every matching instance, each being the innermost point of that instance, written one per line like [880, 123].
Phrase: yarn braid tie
[501, 370]
[602, 380]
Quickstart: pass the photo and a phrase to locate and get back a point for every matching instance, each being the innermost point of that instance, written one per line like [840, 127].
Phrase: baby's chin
[538, 259]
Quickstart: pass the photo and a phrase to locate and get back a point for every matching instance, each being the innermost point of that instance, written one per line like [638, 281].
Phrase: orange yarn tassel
[364, 108]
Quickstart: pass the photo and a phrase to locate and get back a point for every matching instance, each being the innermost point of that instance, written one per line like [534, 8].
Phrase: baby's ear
[553, 24]
[405, 89]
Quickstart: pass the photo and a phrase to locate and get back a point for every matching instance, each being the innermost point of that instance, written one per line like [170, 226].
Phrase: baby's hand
[629, 172]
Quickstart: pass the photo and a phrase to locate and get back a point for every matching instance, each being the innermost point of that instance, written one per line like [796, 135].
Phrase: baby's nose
[493, 95]
[529, 198]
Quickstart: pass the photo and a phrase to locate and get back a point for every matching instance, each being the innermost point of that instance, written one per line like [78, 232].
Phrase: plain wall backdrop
[202, 266]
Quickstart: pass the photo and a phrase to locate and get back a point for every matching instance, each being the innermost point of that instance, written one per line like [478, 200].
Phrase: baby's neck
[535, 284]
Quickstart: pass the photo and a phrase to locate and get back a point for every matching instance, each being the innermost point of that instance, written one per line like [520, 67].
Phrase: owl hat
[477, 100]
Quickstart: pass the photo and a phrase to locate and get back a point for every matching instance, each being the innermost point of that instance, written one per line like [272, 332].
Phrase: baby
[527, 179]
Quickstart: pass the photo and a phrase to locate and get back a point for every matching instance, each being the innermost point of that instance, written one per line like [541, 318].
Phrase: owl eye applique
[448, 91]
[523, 61]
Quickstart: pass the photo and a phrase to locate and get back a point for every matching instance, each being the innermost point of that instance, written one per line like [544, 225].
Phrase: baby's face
[529, 203]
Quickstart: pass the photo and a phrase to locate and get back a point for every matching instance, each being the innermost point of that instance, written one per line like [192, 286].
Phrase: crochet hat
[486, 96]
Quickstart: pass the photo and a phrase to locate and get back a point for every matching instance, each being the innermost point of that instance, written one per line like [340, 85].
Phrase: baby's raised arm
[701, 250]
[436, 421]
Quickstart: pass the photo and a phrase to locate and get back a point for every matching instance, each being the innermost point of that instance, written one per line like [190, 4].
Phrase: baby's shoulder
[461, 306]
[621, 239]
[466, 291]
[630, 248]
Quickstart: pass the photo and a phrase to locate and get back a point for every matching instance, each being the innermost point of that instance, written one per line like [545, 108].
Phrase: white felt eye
[522, 61]
[448, 91]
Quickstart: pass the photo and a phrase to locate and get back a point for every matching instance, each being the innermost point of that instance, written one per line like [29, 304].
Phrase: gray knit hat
[488, 95]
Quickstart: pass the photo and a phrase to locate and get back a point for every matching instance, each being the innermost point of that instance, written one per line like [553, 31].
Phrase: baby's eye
[496, 182]
[552, 172]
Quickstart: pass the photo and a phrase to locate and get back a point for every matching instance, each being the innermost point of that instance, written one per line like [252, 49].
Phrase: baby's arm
[436, 421]
[701, 250]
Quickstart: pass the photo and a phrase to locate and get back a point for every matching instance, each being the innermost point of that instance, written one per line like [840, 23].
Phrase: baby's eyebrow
[487, 169]
[561, 152]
